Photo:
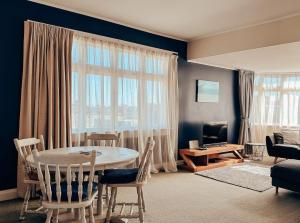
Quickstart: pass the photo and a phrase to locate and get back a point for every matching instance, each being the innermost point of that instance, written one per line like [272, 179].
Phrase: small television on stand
[214, 134]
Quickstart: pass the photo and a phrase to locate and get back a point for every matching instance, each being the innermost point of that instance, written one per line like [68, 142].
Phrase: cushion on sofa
[288, 170]
[287, 151]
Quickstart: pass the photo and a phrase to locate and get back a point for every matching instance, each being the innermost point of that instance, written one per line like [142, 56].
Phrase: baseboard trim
[8, 194]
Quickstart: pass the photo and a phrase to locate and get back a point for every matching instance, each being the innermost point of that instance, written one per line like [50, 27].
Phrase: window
[276, 100]
[118, 88]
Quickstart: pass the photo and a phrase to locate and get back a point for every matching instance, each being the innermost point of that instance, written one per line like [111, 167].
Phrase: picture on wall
[207, 91]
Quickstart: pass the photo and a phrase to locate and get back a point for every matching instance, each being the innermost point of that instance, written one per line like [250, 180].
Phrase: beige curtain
[117, 86]
[246, 87]
[46, 87]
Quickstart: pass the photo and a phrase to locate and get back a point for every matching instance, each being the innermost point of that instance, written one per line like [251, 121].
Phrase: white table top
[107, 157]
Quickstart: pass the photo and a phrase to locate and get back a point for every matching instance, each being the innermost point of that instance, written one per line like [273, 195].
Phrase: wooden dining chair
[102, 139]
[25, 148]
[67, 194]
[135, 177]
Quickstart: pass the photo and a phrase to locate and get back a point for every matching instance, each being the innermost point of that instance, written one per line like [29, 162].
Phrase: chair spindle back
[144, 166]
[67, 164]
[25, 148]
[102, 139]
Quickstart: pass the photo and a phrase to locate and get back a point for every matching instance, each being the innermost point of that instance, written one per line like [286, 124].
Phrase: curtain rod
[109, 38]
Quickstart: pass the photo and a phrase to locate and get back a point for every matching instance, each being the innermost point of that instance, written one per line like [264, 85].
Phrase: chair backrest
[25, 148]
[269, 143]
[144, 166]
[64, 163]
[102, 139]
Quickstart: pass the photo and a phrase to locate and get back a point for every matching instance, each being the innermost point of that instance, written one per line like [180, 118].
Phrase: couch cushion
[119, 176]
[64, 195]
[287, 151]
[287, 170]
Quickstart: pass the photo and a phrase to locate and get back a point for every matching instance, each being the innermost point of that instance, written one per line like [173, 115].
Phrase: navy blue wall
[13, 14]
[193, 114]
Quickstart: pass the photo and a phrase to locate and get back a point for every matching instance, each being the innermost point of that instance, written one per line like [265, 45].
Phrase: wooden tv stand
[197, 160]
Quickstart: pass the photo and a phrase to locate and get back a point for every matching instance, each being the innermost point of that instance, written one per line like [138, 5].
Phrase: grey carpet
[247, 175]
[185, 198]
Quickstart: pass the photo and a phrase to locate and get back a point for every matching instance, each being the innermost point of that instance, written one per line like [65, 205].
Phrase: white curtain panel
[276, 104]
[117, 87]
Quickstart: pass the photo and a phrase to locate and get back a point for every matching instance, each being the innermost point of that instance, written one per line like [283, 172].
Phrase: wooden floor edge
[8, 194]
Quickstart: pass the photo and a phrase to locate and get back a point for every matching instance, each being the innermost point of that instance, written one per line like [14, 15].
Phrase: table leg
[189, 162]
[237, 154]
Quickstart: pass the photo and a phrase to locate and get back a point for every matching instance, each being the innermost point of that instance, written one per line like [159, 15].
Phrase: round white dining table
[107, 158]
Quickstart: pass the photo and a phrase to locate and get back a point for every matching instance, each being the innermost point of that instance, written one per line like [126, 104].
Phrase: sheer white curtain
[276, 104]
[129, 89]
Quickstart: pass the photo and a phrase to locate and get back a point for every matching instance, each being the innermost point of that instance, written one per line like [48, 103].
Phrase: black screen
[214, 132]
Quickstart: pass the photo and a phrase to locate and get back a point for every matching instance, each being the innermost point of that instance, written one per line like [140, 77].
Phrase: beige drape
[129, 89]
[46, 87]
[246, 87]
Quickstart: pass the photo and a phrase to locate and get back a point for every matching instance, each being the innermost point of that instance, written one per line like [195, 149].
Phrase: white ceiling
[279, 58]
[183, 19]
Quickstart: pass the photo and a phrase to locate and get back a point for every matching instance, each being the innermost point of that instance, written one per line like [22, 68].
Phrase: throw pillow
[291, 137]
[278, 138]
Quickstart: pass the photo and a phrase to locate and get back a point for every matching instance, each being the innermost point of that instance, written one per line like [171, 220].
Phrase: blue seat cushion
[119, 176]
[64, 189]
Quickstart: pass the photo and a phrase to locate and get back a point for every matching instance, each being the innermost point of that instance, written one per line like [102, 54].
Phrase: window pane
[75, 99]
[98, 102]
[75, 53]
[127, 104]
[98, 56]
[128, 61]
[156, 104]
[154, 66]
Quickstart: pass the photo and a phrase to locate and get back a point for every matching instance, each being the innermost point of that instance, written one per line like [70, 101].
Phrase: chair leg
[115, 200]
[100, 199]
[25, 203]
[111, 200]
[77, 214]
[275, 160]
[141, 213]
[106, 195]
[55, 216]
[143, 201]
[49, 215]
[276, 190]
[82, 213]
[91, 214]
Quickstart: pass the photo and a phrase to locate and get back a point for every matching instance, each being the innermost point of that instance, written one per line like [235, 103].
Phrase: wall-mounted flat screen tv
[207, 91]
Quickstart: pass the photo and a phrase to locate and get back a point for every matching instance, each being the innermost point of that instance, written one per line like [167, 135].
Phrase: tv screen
[214, 133]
